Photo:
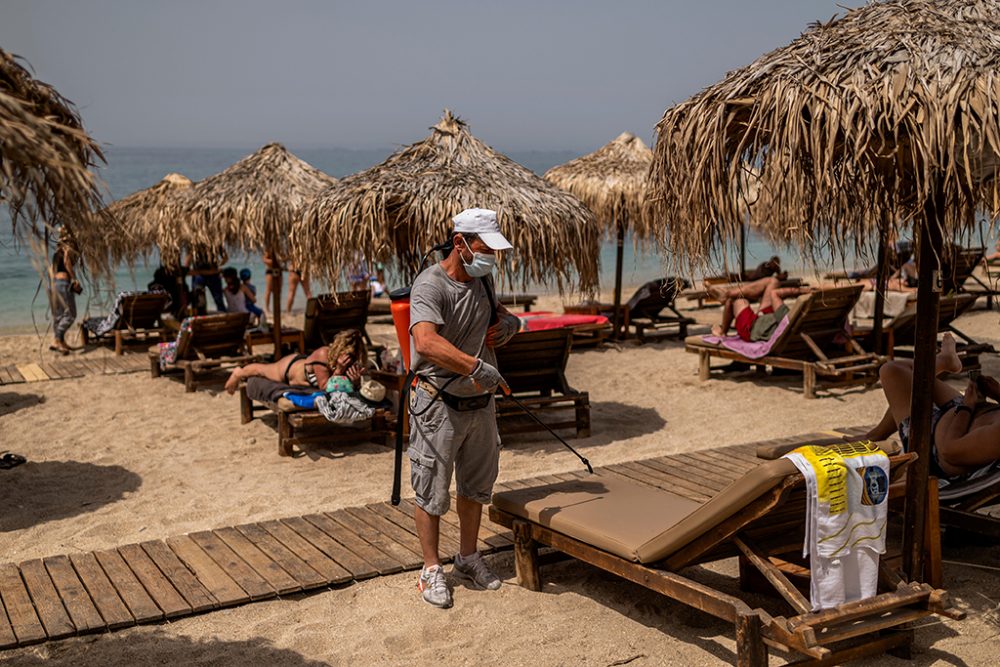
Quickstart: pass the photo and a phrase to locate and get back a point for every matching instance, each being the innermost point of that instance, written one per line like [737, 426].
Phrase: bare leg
[293, 283]
[268, 282]
[305, 286]
[428, 530]
[730, 309]
[274, 372]
[750, 291]
[470, 513]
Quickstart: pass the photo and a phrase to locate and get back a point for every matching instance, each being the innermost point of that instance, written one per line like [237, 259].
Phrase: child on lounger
[335, 368]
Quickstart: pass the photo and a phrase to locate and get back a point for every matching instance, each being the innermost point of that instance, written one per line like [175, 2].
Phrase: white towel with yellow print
[847, 488]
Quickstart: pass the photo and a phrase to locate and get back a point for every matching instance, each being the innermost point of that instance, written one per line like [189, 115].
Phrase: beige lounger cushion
[771, 451]
[632, 520]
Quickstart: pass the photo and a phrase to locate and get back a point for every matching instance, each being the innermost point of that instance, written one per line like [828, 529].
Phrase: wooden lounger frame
[806, 345]
[759, 533]
[140, 319]
[292, 421]
[534, 365]
[214, 341]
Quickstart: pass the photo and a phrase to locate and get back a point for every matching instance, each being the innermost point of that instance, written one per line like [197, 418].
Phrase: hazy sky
[524, 73]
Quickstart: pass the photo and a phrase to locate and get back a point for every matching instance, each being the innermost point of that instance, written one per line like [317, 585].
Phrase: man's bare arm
[977, 447]
[432, 346]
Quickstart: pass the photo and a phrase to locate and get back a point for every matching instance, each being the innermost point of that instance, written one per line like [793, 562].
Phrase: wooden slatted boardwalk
[61, 369]
[56, 597]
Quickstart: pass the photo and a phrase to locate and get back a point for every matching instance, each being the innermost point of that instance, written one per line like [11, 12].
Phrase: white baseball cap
[482, 222]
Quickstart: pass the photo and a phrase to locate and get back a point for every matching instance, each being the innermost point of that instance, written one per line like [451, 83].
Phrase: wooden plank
[448, 539]
[109, 604]
[279, 580]
[43, 594]
[135, 597]
[299, 570]
[719, 461]
[377, 559]
[15, 375]
[7, 636]
[407, 558]
[5, 376]
[222, 587]
[331, 570]
[675, 483]
[23, 620]
[51, 371]
[75, 598]
[32, 372]
[347, 559]
[704, 480]
[196, 595]
[386, 527]
[233, 566]
[159, 587]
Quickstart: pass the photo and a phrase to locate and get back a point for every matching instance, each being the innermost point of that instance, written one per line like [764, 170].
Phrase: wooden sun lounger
[644, 311]
[212, 342]
[534, 365]
[811, 344]
[649, 535]
[140, 318]
[329, 314]
[292, 421]
[959, 504]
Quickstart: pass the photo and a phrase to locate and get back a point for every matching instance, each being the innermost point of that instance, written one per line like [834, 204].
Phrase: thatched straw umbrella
[45, 160]
[250, 204]
[141, 215]
[397, 210]
[889, 113]
[611, 181]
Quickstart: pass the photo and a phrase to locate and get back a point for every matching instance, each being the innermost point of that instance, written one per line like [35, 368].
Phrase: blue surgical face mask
[481, 265]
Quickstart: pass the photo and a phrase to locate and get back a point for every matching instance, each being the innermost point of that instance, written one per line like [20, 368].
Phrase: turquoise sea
[23, 305]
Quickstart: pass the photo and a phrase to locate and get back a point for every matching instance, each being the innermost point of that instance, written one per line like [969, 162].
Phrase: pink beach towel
[540, 321]
[750, 349]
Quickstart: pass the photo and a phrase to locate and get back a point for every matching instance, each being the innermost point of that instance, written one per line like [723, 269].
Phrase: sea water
[23, 299]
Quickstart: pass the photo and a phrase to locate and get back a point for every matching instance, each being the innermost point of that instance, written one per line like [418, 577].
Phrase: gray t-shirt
[462, 313]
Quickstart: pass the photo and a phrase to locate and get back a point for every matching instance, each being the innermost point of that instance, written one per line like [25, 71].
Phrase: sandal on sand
[11, 460]
[61, 350]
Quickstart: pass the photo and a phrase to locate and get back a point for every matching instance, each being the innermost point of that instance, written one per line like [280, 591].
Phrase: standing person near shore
[455, 323]
[64, 288]
[205, 271]
[296, 277]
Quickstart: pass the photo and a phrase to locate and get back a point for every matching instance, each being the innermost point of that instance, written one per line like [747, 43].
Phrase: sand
[119, 459]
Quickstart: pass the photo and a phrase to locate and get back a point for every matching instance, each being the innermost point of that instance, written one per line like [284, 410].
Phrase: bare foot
[233, 383]
[717, 330]
[947, 359]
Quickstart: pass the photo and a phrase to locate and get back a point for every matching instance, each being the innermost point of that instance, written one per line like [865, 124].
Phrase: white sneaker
[473, 568]
[434, 587]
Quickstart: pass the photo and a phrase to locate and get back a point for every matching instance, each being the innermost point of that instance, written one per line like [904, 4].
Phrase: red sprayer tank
[400, 308]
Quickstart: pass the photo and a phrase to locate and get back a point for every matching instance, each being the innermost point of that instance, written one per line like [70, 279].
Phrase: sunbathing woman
[337, 367]
[965, 429]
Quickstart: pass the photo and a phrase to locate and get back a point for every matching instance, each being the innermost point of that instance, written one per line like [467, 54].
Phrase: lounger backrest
[654, 296]
[958, 266]
[214, 336]
[950, 308]
[329, 314]
[142, 311]
[535, 361]
[822, 315]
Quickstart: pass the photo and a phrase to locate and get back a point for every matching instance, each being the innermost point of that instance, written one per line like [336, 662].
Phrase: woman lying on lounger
[337, 367]
[965, 428]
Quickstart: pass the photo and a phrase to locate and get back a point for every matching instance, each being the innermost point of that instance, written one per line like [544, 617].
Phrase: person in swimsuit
[296, 277]
[965, 427]
[63, 291]
[736, 307]
[346, 358]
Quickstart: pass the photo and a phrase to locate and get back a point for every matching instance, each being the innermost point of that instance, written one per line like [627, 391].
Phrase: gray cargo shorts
[443, 440]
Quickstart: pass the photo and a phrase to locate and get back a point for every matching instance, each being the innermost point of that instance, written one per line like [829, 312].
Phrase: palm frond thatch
[398, 209]
[856, 122]
[251, 204]
[611, 181]
[141, 213]
[45, 161]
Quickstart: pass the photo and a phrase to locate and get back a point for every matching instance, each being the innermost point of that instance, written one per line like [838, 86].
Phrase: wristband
[963, 408]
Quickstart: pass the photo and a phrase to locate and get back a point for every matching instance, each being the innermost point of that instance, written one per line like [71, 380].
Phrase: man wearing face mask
[455, 322]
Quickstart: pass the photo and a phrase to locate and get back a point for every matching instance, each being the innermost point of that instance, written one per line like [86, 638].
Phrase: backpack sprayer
[400, 309]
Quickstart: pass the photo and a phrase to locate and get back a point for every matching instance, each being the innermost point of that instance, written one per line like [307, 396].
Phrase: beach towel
[895, 303]
[344, 409]
[102, 325]
[847, 490]
[268, 391]
[542, 320]
[749, 349]
[168, 350]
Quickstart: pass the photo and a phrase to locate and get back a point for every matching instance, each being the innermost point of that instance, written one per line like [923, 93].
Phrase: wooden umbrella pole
[743, 251]
[881, 283]
[925, 350]
[618, 280]
[276, 293]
